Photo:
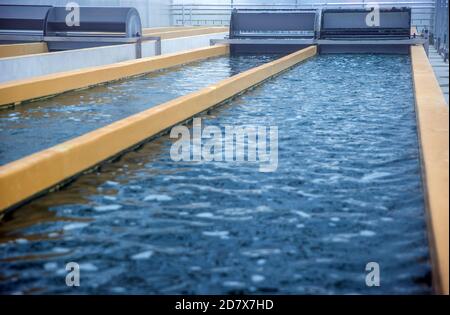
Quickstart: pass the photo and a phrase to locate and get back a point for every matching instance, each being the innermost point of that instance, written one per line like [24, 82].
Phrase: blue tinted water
[39, 125]
[347, 192]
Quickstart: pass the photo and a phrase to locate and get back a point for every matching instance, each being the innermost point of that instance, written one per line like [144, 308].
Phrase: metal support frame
[157, 44]
[440, 34]
[138, 47]
[426, 44]
[270, 41]
[105, 41]
[217, 13]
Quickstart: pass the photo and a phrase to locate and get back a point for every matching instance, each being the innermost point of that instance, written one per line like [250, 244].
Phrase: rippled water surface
[347, 191]
[39, 125]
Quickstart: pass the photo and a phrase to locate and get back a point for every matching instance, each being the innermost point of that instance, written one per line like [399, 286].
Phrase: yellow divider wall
[152, 30]
[155, 30]
[187, 33]
[26, 177]
[14, 50]
[433, 127]
[22, 90]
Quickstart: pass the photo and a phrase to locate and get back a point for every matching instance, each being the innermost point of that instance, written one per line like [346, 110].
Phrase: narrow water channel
[347, 191]
[39, 125]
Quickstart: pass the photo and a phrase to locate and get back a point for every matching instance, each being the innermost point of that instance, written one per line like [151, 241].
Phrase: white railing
[218, 14]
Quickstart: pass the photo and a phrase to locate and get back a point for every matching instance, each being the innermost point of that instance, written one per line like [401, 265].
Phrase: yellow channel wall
[14, 50]
[21, 90]
[186, 32]
[24, 178]
[433, 128]
[167, 29]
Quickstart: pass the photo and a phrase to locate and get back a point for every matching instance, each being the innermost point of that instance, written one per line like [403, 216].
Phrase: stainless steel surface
[13, 38]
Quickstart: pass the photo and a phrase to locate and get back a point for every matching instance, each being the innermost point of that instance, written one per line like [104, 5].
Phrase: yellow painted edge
[187, 33]
[168, 29]
[14, 50]
[26, 89]
[24, 178]
[433, 128]
[180, 28]
[153, 31]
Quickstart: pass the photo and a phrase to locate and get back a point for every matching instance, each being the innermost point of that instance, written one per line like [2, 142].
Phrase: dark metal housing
[17, 21]
[98, 26]
[332, 30]
[273, 24]
[101, 22]
[352, 24]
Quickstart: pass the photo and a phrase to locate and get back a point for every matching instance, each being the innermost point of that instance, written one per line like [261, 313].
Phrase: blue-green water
[347, 191]
[39, 125]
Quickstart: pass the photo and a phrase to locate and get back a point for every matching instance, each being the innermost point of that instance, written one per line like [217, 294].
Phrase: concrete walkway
[440, 69]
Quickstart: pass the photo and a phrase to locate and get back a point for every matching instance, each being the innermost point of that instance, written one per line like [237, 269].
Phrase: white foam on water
[60, 250]
[221, 234]
[196, 205]
[338, 239]
[111, 183]
[50, 266]
[233, 284]
[261, 252]
[75, 226]
[258, 278]
[205, 215]
[90, 267]
[158, 198]
[367, 233]
[107, 208]
[143, 255]
[302, 214]
[373, 176]
[110, 198]
[21, 241]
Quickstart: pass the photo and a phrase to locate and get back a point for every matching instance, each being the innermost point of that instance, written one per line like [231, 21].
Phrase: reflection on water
[39, 125]
[347, 192]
